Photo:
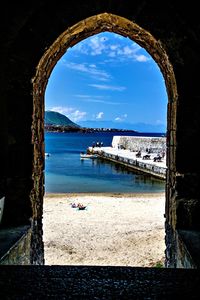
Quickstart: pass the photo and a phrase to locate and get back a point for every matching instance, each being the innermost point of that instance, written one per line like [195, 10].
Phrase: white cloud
[113, 46]
[96, 99]
[62, 110]
[78, 115]
[121, 118]
[141, 58]
[108, 87]
[99, 115]
[89, 69]
[72, 113]
[82, 96]
[131, 52]
[97, 45]
[159, 122]
[118, 119]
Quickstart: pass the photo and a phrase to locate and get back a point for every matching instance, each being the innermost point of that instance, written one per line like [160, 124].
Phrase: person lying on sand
[79, 205]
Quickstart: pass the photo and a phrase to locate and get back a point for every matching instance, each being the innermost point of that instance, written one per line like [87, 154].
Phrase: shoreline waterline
[111, 194]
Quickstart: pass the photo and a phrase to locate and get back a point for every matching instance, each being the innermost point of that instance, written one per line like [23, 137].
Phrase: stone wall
[19, 253]
[34, 37]
[136, 143]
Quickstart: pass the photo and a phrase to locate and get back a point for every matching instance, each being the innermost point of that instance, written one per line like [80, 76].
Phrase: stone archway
[88, 27]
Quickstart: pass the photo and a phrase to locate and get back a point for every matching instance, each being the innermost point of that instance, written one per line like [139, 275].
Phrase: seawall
[137, 153]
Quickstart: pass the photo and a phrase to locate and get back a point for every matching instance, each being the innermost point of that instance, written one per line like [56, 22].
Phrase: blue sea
[65, 172]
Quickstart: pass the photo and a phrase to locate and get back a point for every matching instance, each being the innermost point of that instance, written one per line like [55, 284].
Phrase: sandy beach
[113, 230]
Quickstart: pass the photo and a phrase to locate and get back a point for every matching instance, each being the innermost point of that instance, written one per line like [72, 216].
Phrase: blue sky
[108, 79]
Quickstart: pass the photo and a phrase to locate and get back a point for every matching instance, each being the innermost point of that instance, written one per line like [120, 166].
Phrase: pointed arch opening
[72, 36]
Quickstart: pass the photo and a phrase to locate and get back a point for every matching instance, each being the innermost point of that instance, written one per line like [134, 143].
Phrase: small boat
[87, 155]
[47, 154]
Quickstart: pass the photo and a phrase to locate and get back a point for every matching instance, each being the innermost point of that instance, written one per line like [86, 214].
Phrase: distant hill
[55, 121]
[53, 118]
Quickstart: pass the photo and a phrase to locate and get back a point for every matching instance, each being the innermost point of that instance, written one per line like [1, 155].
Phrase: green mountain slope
[57, 119]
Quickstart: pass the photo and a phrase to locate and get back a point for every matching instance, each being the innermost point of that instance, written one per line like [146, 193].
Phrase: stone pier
[125, 150]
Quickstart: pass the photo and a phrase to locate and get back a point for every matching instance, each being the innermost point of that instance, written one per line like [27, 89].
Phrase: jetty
[142, 154]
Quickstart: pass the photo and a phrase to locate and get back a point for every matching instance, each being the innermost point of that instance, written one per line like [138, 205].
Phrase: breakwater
[143, 154]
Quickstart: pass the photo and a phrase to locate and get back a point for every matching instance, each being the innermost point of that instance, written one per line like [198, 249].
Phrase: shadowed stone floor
[82, 282]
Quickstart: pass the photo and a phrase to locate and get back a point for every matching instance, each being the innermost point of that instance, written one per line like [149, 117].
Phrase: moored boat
[88, 155]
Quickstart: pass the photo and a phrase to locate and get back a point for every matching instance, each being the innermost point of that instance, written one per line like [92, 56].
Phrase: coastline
[111, 194]
[115, 229]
